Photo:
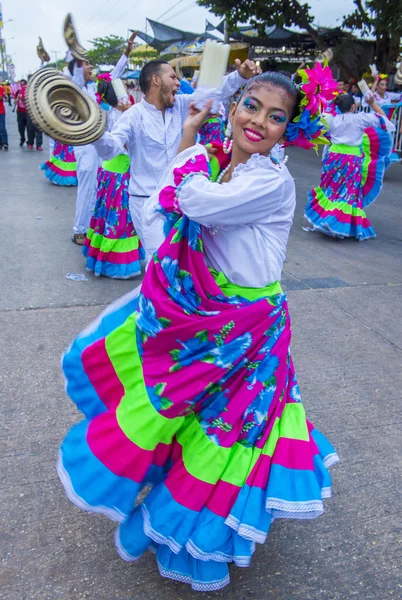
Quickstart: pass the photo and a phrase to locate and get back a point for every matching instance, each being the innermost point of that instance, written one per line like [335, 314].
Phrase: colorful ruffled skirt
[112, 247]
[61, 168]
[351, 179]
[195, 438]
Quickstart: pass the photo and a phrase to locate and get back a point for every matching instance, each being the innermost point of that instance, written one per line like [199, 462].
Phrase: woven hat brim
[62, 110]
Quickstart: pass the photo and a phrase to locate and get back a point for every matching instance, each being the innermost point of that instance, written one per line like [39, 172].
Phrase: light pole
[2, 48]
[56, 52]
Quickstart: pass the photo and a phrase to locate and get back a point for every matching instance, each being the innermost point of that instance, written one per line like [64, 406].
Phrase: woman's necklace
[223, 173]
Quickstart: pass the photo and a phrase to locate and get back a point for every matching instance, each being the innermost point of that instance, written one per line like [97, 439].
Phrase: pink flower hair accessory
[318, 88]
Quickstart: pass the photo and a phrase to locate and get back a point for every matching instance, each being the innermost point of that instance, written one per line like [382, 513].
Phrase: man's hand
[130, 44]
[247, 69]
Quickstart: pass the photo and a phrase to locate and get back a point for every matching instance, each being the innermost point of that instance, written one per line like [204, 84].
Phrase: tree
[378, 18]
[262, 12]
[106, 50]
[383, 20]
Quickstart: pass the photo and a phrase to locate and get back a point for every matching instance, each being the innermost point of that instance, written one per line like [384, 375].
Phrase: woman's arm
[249, 198]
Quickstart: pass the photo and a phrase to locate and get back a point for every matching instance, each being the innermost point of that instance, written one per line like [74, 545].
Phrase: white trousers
[87, 168]
[136, 203]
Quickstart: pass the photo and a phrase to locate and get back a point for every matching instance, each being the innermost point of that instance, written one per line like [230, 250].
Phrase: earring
[228, 142]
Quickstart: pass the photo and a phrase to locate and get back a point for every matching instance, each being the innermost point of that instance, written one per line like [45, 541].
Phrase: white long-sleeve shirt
[152, 137]
[90, 87]
[348, 128]
[245, 222]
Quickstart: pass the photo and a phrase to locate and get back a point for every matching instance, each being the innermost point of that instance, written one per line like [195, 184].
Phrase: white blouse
[153, 137]
[348, 128]
[245, 222]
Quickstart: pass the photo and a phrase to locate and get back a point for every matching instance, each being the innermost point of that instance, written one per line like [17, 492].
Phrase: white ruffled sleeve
[256, 191]
[373, 120]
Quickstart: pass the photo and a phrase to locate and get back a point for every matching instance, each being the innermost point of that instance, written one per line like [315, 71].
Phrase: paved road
[346, 302]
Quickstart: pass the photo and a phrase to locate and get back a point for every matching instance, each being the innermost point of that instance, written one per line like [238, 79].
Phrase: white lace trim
[200, 555]
[198, 586]
[246, 531]
[157, 537]
[255, 161]
[330, 459]
[113, 514]
[122, 551]
[326, 492]
[309, 506]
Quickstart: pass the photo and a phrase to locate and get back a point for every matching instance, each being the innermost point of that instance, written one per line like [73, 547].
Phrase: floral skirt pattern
[349, 183]
[112, 247]
[61, 169]
[195, 438]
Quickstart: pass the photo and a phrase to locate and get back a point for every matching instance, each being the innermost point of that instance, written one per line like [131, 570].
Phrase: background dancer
[350, 179]
[112, 247]
[86, 156]
[381, 93]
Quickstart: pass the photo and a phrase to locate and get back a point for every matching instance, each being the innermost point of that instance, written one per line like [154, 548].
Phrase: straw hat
[59, 108]
[71, 39]
[40, 49]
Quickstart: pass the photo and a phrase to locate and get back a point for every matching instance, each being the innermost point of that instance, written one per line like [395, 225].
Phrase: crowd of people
[187, 385]
[14, 94]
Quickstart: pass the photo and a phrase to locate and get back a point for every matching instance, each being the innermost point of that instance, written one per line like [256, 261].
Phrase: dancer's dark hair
[106, 90]
[280, 80]
[153, 67]
[344, 102]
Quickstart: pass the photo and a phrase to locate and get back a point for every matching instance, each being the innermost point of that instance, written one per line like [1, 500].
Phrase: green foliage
[380, 19]
[106, 50]
[261, 12]
[375, 16]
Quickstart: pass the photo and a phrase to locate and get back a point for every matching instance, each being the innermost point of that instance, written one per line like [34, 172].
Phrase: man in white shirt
[86, 156]
[151, 130]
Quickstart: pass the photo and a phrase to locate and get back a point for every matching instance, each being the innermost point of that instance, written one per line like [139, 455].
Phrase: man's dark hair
[147, 72]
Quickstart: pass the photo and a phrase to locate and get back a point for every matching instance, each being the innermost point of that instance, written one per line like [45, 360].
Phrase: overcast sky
[93, 18]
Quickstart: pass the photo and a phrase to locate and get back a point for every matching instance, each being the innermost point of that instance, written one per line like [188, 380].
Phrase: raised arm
[113, 143]
[369, 119]
[248, 198]
[121, 64]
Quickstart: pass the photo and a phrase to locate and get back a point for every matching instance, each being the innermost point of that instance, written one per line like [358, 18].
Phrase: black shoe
[5, 146]
[22, 142]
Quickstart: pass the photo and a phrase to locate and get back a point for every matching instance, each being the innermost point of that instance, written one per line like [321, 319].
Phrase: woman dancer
[381, 93]
[112, 247]
[187, 384]
[60, 169]
[352, 175]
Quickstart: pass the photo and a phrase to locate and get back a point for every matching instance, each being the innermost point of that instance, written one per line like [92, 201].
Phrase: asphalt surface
[346, 304]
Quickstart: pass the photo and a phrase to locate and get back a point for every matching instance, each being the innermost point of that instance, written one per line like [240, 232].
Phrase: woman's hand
[247, 69]
[196, 118]
[192, 124]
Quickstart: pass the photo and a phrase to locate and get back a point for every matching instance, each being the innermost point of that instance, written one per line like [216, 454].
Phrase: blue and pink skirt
[112, 247]
[194, 438]
[351, 179]
[61, 168]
